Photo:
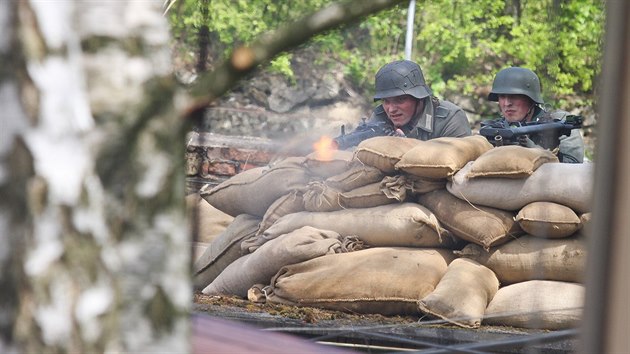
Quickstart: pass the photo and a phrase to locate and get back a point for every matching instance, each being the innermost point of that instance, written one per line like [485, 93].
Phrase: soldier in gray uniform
[517, 90]
[407, 104]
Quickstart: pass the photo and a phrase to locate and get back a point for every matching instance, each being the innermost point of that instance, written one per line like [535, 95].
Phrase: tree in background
[460, 44]
[561, 40]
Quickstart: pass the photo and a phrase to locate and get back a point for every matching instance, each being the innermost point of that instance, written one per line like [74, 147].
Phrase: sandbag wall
[451, 228]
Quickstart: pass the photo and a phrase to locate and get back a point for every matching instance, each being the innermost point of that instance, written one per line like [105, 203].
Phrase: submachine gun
[544, 133]
[364, 130]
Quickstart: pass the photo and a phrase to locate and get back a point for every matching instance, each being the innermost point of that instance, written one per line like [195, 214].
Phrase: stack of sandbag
[540, 272]
[205, 221]
[365, 206]
[509, 178]
[390, 228]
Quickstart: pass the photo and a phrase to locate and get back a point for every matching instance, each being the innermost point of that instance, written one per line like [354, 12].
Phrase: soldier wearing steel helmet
[408, 105]
[518, 92]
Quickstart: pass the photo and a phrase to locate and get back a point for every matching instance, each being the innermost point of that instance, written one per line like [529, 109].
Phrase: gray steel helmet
[401, 77]
[516, 81]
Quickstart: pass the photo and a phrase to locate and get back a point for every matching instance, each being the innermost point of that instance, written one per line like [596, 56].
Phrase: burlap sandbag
[484, 226]
[334, 163]
[358, 175]
[318, 196]
[253, 191]
[383, 280]
[511, 161]
[384, 152]
[533, 258]
[463, 293]
[367, 196]
[585, 219]
[404, 186]
[568, 184]
[198, 249]
[292, 202]
[224, 250]
[395, 187]
[205, 221]
[442, 157]
[418, 185]
[548, 220]
[259, 267]
[405, 225]
[539, 304]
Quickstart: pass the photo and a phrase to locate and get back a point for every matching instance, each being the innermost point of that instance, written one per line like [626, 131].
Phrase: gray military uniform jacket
[438, 118]
[571, 148]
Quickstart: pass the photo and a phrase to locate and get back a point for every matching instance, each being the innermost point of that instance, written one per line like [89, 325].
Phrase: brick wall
[213, 158]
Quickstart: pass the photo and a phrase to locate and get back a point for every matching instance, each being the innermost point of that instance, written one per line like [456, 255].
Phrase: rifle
[544, 133]
[364, 131]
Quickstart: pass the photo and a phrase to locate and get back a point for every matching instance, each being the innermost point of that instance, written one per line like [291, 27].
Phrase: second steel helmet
[516, 81]
[401, 77]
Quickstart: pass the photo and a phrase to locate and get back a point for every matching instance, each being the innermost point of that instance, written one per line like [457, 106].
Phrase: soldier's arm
[572, 147]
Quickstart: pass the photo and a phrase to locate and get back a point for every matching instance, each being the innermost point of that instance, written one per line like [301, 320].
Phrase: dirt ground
[226, 306]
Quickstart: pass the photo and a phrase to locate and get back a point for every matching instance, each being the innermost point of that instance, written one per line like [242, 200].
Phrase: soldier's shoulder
[556, 114]
[445, 108]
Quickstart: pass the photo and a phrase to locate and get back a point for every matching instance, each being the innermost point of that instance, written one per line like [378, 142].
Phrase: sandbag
[260, 266]
[358, 175]
[224, 250]
[336, 162]
[533, 258]
[442, 157]
[367, 196]
[395, 187]
[548, 220]
[538, 304]
[289, 203]
[463, 293]
[383, 280]
[569, 184]
[484, 226]
[253, 191]
[318, 196]
[205, 221]
[384, 152]
[391, 189]
[198, 249]
[585, 219]
[511, 161]
[405, 224]
[418, 185]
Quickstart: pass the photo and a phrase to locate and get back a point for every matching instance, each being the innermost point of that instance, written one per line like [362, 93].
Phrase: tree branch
[244, 59]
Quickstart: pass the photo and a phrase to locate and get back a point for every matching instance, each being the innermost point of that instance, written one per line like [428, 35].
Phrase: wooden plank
[366, 333]
[214, 335]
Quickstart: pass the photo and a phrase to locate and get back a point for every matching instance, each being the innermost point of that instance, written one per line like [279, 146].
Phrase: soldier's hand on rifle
[524, 140]
[399, 133]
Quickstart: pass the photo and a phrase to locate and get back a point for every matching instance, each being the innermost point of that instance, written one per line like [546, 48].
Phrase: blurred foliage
[460, 44]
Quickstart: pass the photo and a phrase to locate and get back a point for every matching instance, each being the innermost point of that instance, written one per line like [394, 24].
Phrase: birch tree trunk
[94, 249]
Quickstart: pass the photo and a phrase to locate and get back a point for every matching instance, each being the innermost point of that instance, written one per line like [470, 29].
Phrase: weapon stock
[547, 133]
[364, 131]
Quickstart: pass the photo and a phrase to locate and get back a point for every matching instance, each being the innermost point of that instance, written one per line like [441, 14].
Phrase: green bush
[460, 44]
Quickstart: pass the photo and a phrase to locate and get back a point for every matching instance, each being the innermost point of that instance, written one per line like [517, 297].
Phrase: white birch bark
[95, 252]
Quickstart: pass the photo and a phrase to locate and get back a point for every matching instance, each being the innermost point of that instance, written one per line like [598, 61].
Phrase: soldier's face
[400, 109]
[515, 107]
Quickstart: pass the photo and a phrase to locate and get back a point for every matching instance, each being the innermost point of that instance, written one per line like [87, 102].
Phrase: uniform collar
[424, 119]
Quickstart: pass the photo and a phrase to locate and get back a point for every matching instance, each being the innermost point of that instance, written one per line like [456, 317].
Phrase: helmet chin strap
[529, 111]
